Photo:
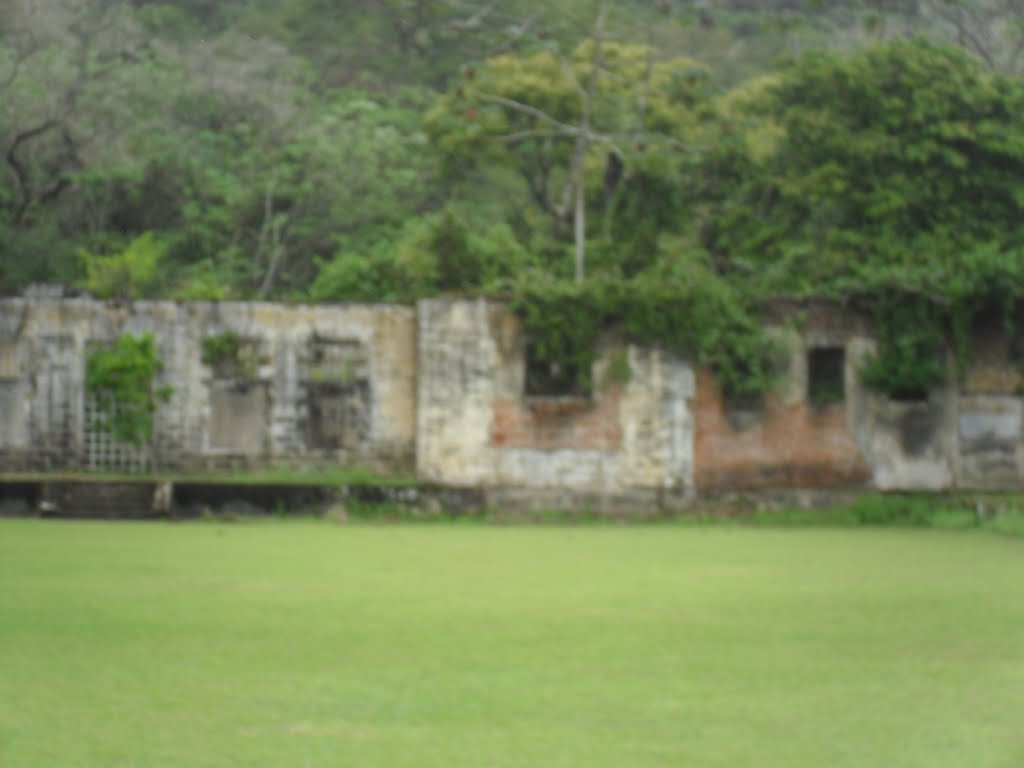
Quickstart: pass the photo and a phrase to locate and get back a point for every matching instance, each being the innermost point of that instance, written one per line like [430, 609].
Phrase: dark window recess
[558, 378]
[338, 415]
[826, 380]
[743, 411]
[918, 426]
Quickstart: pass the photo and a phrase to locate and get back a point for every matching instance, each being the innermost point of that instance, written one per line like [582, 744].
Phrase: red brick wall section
[558, 424]
[791, 446]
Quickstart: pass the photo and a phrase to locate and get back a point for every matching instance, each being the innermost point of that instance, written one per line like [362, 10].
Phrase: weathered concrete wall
[258, 416]
[862, 440]
[14, 399]
[476, 425]
[990, 410]
[911, 445]
[787, 440]
[443, 388]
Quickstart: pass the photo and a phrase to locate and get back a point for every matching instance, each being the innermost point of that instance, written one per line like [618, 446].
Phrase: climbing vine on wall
[690, 311]
[121, 379]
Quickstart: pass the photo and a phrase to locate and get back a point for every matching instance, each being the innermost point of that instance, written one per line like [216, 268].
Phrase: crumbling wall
[789, 439]
[794, 440]
[990, 409]
[478, 426]
[912, 445]
[14, 400]
[991, 449]
[267, 411]
[448, 388]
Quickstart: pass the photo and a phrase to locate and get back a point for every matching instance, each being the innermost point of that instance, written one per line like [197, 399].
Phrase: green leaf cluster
[132, 273]
[121, 378]
[887, 179]
[687, 310]
[398, 149]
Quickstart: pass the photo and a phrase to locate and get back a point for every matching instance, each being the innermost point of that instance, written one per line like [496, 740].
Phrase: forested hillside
[668, 164]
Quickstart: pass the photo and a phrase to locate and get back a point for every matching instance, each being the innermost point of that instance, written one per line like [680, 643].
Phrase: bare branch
[23, 55]
[474, 20]
[538, 183]
[526, 109]
[989, 30]
[21, 175]
[71, 161]
[513, 138]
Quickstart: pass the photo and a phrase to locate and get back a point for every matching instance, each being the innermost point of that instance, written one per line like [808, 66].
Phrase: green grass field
[310, 644]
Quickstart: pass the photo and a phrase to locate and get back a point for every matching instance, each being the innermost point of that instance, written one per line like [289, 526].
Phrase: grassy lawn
[309, 644]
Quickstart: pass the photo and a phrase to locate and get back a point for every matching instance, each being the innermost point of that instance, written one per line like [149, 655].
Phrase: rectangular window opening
[338, 415]
[554, 378]
[10, 369]
[826, 376]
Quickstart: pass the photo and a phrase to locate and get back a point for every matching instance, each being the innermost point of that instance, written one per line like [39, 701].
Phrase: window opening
[554, 378]
[337, 392]
[826, 376]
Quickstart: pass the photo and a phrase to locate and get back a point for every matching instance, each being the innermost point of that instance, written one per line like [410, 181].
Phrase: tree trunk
[579, 160]
[579, 220]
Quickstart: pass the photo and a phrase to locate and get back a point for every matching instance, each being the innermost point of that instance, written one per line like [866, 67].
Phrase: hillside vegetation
[664, 163]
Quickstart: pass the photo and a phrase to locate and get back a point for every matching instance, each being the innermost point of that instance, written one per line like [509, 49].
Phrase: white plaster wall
[14, 410]
[456, 390]
[657, 421]
[14, 403]
[893, 464]
[990, 431]
[467, 360]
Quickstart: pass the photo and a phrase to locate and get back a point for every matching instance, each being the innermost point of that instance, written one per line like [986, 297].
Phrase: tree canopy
[668, 165]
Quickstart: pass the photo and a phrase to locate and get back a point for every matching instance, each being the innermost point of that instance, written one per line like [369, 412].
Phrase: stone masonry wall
[443, 388]
[990, 410]
[858, 440]
[477, 427]
[216, 418]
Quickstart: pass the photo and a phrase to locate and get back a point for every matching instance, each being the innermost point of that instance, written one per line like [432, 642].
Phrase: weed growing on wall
[121, 378]
[230, 355]
[221, 348]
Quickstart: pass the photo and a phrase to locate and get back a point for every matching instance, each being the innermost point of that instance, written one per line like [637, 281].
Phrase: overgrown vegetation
[121, 379]
[691, 311]
[221, 349]
[665, 167]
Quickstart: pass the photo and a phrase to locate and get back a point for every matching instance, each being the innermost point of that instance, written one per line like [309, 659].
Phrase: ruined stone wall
[990, 409]
[445, 389]
[966, 435]
[853, 438]
[479, 426]
[315, 385]
[794, 437]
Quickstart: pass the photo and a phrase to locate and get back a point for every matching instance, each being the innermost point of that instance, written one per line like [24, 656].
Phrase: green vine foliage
[221, 348]
[909, 361]
[922, 307]
[230, 355]
[686, 309]
[889, 181]
[689, 309]
[121, 377]
[563, 321]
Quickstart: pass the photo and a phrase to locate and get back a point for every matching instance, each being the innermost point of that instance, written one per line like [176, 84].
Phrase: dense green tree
[581, 131]
[903, 153]
[889, 177]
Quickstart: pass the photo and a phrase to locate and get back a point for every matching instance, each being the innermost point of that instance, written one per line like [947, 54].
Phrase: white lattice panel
[103, 452]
